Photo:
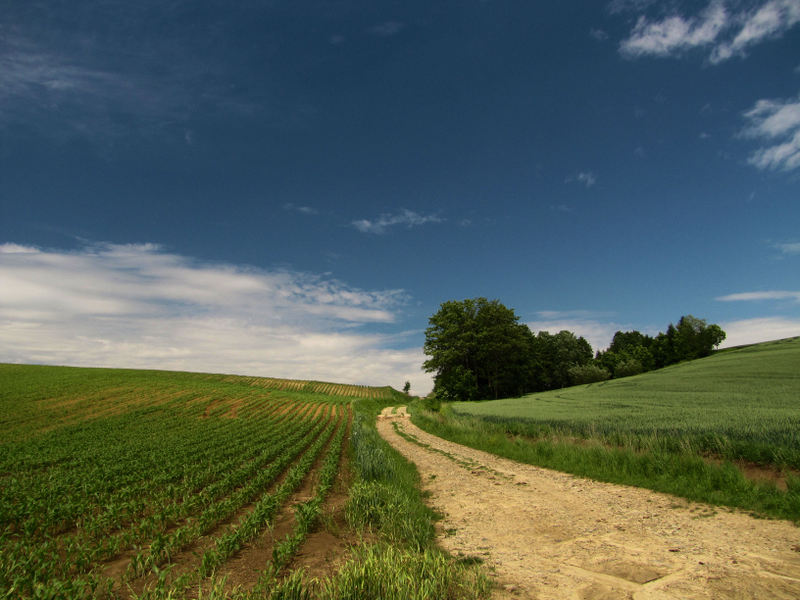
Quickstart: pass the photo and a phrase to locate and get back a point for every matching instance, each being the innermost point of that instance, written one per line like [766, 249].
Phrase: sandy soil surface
[546, 534]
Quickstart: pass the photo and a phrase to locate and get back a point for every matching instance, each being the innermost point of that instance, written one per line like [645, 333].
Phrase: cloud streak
[58, 89]
[778, 122]
[141, 307]
[722, 31]
[306, 210]
[757, 296]
[587, 178]
[405, 217]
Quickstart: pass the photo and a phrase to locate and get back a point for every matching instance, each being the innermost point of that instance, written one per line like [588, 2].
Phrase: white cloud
[61, 92]
[767, 295]
[306, 210]
[675, 34]
[785, 156]
[598, 34]
[789, 248]
[772, 118]
[406, 217]
[753, 331]
[776, 120]
[587, 178]
[141, 307]
[770, 20]
[725, 32]
[25, 69]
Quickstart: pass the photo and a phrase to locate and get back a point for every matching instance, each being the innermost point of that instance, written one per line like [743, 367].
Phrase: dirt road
[546, 534]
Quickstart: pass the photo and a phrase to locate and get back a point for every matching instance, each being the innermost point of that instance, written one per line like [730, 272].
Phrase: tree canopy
[478, 350]
[632, 352]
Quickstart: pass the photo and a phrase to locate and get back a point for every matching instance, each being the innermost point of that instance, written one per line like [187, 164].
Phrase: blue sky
[292, 188]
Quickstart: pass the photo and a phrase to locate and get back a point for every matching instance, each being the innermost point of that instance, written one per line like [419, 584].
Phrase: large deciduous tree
[478, 350]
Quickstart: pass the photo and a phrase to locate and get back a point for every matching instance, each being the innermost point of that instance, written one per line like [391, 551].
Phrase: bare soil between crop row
[551, 535]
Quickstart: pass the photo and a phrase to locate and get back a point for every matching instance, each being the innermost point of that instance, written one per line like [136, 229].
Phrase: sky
[291, 189]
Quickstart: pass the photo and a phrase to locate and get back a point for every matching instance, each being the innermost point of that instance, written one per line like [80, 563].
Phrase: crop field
[320, 387]
[723, 429]
[114, 481]
[147, 484]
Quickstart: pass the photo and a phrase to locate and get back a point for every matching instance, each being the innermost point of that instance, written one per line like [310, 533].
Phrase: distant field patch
[317, 387]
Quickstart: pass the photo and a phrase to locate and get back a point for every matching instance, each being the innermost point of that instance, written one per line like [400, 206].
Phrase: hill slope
[739, 404]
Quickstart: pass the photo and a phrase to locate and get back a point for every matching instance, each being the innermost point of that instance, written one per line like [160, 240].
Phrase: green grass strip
[681, 474]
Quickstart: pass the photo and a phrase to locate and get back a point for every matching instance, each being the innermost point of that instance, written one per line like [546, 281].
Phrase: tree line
[479, 350]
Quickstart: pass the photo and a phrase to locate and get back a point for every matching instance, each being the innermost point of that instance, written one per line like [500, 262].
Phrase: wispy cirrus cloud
[27, 70]
[306, 210]
[675, 34]
[405, 217]
[598, 34]
[789, 248]
[57, 88]
[621, 6]
[142, 307]
[722, 28]
[778, 122]
[766, 295]
[587, 178]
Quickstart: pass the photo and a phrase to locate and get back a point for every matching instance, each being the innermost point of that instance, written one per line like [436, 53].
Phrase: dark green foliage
[628, 367]
[588, 374]
[632, 352]
[431, 403]
[457, 383]
[478, 350]
[554, 356]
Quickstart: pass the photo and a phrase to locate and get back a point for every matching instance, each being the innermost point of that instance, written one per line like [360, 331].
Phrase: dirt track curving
[547, 534]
